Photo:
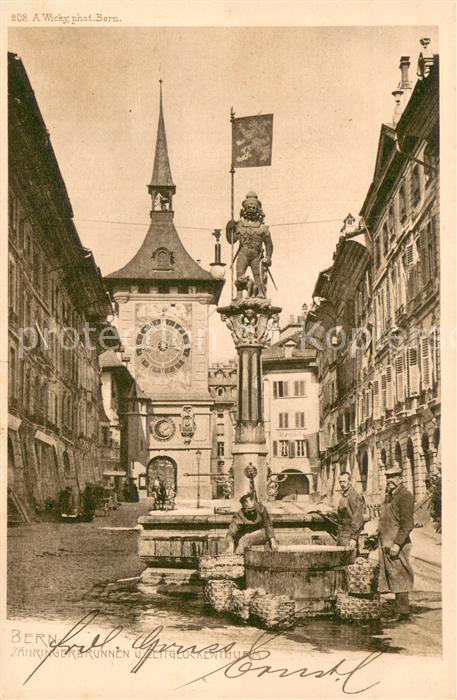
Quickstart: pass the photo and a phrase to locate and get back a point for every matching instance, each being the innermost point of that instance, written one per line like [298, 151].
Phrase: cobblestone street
[61, 571]
[55, 569]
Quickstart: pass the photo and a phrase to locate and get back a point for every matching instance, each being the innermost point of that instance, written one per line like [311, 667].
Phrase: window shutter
[388, 291]
[409, 255]
[286, 389]
[400, 384]
[435, 355]
[275, 448]
[275, 390]
[383, 394]
[376, 406]
[389, 389]
[413, 372]
[286, 420]
[291, 449]
[425, 364]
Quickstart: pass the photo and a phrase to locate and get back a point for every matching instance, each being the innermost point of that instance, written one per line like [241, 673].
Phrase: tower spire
[161, 187]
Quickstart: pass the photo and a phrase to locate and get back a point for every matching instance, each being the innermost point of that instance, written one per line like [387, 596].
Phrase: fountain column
[250, 321]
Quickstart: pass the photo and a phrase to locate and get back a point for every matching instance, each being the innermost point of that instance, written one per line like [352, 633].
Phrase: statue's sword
[271, 276]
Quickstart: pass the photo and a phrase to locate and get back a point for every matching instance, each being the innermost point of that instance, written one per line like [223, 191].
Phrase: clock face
[163, 429]
[163, 346]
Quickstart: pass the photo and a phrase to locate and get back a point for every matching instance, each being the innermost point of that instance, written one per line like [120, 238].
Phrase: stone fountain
[170, 543]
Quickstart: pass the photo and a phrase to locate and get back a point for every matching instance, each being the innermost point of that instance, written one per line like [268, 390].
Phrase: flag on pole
[252, 139]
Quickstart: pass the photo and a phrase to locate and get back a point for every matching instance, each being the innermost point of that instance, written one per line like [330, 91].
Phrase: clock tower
[162, 297]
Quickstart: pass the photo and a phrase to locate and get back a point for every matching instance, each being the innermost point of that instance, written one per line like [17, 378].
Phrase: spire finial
[161, 187]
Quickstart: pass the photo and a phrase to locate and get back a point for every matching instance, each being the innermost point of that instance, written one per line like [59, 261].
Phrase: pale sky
[328, 88]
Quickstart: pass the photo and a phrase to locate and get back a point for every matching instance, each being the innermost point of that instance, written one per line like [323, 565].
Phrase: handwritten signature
[248, 663]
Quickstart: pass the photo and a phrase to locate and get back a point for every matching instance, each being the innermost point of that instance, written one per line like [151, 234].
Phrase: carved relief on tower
[188, 425]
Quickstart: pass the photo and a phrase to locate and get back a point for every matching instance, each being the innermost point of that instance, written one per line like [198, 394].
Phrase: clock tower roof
[162, 256]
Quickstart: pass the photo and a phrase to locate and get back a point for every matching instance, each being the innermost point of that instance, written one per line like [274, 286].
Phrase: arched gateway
[296, 483]
[164, 468]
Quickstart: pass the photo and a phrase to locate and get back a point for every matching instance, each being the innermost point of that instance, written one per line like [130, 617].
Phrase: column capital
[250, 321]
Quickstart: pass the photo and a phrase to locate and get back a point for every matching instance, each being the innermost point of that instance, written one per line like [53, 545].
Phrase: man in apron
[395, 524]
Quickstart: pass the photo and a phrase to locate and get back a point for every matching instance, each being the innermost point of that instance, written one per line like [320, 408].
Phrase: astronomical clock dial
[163, 429]
[163, 346]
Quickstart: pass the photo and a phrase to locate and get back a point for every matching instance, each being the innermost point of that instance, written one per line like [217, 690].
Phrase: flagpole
[232, 201]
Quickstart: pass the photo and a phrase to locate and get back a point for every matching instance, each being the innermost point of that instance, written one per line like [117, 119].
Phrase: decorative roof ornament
[349, 225]
[426, 59]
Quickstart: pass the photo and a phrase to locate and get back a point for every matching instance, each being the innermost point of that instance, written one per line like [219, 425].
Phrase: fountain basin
[311, 574]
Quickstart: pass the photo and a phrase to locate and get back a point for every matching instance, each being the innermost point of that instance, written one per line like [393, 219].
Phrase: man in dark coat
[251, 525]
[350, 513]
[395, 524]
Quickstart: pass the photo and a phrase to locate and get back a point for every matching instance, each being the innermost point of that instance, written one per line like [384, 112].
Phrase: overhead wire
[203, 228]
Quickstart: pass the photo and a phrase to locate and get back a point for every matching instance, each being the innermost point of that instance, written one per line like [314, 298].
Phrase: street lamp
[198, 455]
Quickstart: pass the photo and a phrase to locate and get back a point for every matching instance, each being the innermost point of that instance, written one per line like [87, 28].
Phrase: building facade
[380, 384]
[162, 297]
[117, 389]
[291, 406]
[223, 389]
[57, 305]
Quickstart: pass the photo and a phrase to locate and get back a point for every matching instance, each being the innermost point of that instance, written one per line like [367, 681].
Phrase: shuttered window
[400, 378]
[425, 364]
[435, 352]
[388, 313]
[301, 448]
[383, 394]
[275, 448]
[280, 390]
[283, 420]
[299, 388]
[284, 444]
[376, 397]
[413, 371]
[389, 389]
[423, 256]
[300, 419]
[409, 255]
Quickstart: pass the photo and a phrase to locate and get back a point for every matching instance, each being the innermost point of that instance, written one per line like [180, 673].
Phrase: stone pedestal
[250, 321]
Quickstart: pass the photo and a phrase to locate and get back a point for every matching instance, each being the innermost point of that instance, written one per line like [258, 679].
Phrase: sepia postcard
[228, 334]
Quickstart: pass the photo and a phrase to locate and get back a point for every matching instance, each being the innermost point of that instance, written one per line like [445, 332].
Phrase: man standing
[350, 513]
[251, 525]
[395, 524]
